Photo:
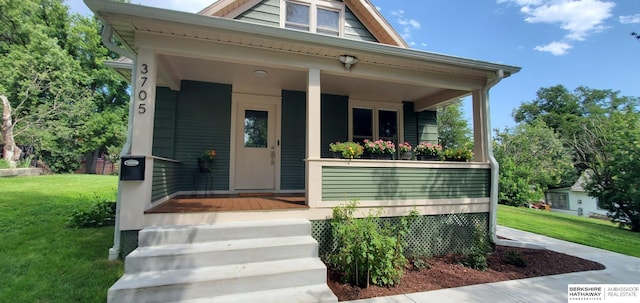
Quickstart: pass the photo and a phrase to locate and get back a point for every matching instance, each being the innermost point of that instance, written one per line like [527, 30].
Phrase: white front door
[255, 158]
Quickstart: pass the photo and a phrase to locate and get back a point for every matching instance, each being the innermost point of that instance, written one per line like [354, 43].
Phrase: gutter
[110, 8]
[495, 167]
[107, 35]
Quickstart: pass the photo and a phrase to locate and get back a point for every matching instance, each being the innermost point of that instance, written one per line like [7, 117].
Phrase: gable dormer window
[316, 16]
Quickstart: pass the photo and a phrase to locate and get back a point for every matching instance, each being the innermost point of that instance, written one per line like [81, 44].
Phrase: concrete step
[320, 293]
[207, 282]
[166, 235]
[180, 256]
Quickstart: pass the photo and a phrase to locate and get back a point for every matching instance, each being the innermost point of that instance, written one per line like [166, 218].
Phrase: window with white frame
[373, 121]
[316, 16]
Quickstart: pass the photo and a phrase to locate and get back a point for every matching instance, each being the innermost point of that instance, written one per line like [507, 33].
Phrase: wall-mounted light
[348, 60]
[260, 73]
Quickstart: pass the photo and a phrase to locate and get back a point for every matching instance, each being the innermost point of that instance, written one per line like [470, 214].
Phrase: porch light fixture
[348, 60]
[260, 73]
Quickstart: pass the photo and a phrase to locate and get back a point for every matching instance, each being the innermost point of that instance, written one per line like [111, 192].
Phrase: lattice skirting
[429, 235]
[128, 242]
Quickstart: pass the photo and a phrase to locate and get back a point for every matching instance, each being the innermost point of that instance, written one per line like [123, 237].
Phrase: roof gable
[366, 13]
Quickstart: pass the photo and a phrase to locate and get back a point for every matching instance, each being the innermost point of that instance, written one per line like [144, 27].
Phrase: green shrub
[25, 163]
[476, 257]
[367, 252]
[476, 261]
[515, 258]
[102, 213]
[420, 264]
[4, 164]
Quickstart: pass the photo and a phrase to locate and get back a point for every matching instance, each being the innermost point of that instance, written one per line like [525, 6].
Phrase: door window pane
[256, 128]
[362, 124]
[297, 16]
[328, 22]
[388, 125]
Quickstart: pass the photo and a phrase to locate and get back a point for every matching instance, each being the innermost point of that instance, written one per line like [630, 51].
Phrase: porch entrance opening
[255, 159]
[230, 203]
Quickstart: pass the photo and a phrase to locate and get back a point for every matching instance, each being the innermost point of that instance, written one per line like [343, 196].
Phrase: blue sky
[569, 42]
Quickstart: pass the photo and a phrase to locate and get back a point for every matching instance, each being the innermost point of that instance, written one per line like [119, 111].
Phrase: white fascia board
[108, 8]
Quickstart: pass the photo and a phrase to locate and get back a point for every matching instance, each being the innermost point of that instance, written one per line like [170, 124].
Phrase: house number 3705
[142, 94]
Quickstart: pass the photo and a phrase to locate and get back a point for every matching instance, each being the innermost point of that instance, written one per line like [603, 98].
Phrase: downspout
[495, 167]
[107, 35]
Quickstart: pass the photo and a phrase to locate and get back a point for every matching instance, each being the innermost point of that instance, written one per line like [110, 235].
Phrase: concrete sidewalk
[620, 269]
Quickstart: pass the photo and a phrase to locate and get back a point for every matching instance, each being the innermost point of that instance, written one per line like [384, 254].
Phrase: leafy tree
[453, 128]
[57, 88]
[565, 112]
[106, 125]
[610, 148]
[42, 83]
[532, 158]
[602, 130]
[556, 106]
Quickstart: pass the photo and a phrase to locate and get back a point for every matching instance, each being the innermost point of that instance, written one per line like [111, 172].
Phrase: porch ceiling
[211, 49]
[183, 68]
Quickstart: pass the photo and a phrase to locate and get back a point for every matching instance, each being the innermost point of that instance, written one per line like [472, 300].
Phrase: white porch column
[313, 114]
[136, 195]
[313, 182]
[479, 126]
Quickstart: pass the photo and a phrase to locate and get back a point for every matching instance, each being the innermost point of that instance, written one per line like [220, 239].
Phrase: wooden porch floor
[220, 203]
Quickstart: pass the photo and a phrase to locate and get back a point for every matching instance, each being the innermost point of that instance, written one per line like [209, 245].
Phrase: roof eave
[108, 8]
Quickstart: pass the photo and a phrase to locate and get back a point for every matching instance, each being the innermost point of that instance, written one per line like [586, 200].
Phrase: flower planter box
[427, 158]
[455, 159]
[381, 156]
[204, 165]
[406, 156]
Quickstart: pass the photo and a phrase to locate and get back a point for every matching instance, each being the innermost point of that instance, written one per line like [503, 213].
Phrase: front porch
[396, 186]
[230, 203]
[270, 101]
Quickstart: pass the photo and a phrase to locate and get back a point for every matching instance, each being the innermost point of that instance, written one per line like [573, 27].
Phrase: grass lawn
[41, 260]
[592, 232]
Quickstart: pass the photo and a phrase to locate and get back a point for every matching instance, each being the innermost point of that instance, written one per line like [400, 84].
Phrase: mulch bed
[446, 272]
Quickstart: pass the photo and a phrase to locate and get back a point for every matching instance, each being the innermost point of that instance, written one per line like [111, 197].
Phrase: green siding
[267, 12]
[354, 29]
[164, 123]
[427, 126]
[203, 121]
[410, 124]
[388, 183]
[294, 108]
[165, 179]
[334, 113]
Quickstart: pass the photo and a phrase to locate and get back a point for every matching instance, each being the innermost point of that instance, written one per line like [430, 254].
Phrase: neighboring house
[309, 72]
[317, 72]
[574, 200]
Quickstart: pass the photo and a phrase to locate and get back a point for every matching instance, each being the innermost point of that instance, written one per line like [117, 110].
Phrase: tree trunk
[91, 159]
[11, 151]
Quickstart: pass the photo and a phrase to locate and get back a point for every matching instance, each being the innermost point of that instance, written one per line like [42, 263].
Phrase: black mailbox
[132, 168]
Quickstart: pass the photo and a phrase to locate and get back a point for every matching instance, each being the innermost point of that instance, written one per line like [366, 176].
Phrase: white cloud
[580, 18]
[408, 25]
[556, 48]
[630, 19]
